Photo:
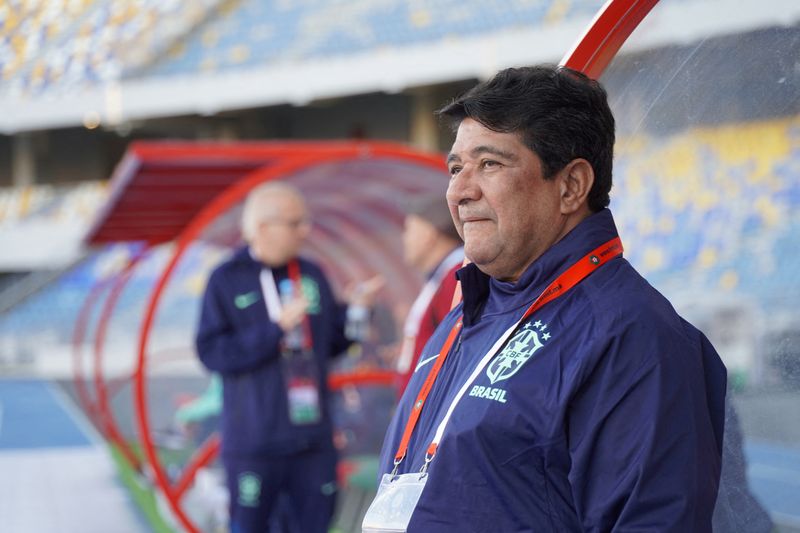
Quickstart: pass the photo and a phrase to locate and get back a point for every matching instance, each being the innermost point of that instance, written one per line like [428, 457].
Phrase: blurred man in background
[432, 246]
[564, 393]
[269, 325]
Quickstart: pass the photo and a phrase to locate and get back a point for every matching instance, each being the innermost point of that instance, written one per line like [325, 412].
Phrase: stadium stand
[72, 43]
[68, 43]
[695, 202]
[263, 32]
[53, 204]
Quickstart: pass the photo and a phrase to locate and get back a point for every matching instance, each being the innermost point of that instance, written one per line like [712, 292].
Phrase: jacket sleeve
[338, 313]
[644, 452]
[227, 347]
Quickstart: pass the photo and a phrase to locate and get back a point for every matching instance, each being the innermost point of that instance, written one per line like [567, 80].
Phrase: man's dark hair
[560, 114]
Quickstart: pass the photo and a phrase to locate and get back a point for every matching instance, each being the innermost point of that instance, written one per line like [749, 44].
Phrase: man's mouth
[465, 220]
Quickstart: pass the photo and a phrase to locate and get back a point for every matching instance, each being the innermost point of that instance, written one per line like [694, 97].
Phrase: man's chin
[278, 261]
[479, 257]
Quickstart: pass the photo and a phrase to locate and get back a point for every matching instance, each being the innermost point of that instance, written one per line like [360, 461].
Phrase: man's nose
[463, 187]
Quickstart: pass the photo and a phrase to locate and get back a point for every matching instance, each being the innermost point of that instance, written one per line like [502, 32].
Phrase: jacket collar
[484, 295]
[244, 256]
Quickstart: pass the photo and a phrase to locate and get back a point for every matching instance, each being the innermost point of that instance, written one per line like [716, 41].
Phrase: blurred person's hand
[363, 293]
[388, 354]
[293, 313]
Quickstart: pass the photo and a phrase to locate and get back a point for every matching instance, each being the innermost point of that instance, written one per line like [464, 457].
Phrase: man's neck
[267, 262]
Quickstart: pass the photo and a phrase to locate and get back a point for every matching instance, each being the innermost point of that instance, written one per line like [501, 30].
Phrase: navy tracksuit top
[611, 418]
[237, 339]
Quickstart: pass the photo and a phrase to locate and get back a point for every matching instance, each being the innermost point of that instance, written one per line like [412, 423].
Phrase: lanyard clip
[397, 462]
[429, 453]
[424, 470]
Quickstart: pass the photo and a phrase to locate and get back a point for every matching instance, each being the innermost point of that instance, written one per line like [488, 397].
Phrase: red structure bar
[606, 34]
[78, 336]
[105, 414]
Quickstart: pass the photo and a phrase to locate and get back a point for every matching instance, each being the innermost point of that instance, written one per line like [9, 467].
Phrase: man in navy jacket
[248, 311]
[596, 409]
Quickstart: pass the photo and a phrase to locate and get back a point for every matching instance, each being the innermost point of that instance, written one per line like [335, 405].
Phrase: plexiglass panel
[706, 194]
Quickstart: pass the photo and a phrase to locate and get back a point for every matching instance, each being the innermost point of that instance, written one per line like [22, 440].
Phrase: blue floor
[56, 473]
[33, 416]
[774, 478]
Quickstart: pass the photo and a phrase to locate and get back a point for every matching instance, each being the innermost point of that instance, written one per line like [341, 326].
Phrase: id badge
[394, 503]
[303, 402]
[302, 389]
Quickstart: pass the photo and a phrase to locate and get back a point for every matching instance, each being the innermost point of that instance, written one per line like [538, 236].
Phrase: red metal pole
[609, 30]
[104, 408]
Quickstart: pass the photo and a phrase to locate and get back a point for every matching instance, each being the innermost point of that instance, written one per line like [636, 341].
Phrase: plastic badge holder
[303, 399]
[396, 500]
[300, 374]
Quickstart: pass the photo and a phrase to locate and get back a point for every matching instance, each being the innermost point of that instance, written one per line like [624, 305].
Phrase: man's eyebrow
[483, 149]
[487, 149]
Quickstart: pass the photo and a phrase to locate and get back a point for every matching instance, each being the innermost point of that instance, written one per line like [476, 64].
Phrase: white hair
[260, 204]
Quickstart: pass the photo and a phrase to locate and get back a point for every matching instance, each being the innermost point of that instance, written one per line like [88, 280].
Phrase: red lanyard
[563, 283]
[294, 274]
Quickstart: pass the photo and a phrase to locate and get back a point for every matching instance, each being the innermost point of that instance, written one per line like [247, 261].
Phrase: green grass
[142, 494]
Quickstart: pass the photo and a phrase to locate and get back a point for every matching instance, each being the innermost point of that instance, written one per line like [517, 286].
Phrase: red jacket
[437, 309]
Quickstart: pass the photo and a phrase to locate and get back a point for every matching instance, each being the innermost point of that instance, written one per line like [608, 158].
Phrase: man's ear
[577, 178]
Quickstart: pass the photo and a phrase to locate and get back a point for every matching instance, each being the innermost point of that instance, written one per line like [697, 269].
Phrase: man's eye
[490, 163]
[454, 170]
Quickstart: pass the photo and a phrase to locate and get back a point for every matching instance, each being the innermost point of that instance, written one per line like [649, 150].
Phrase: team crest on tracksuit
[525, 342]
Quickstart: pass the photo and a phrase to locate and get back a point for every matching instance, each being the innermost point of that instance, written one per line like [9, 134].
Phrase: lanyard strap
[271, 295]
[563, 283]
[416, 410]
[294, 274]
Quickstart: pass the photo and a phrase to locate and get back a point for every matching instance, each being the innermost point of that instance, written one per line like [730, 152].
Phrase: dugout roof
[159, 187]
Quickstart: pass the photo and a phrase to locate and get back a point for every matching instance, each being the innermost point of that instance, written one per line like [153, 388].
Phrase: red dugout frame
[288, 166]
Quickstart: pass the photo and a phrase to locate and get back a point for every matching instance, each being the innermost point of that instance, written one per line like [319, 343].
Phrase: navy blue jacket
[237, 339]
[605, 413]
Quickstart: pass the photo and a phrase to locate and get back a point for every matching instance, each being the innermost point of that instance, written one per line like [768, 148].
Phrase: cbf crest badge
[525, 342]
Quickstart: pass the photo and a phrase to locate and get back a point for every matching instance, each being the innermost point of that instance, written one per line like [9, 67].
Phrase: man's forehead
[282, 201]
[473, 138]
